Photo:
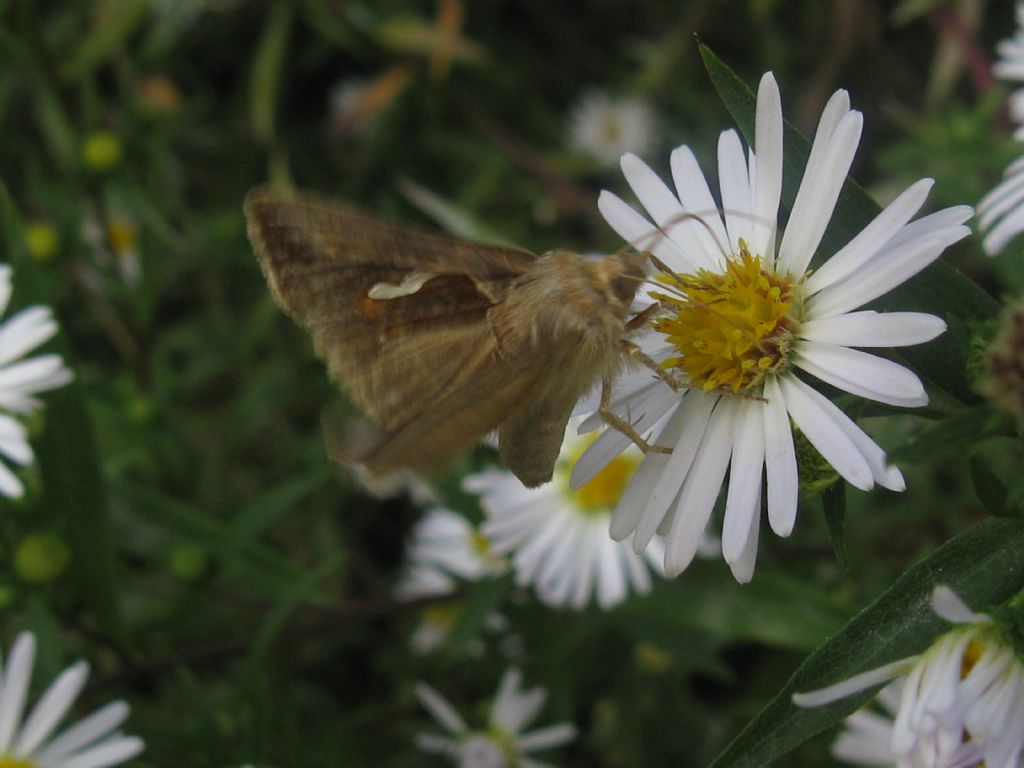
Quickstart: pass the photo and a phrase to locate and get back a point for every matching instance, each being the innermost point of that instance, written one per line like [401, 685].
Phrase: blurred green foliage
[224, 577]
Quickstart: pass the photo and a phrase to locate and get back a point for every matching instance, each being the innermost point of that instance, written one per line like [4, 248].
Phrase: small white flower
[445, 548]
[21, 380]
[93, 742]
[1001, 211]
[558, 539]
[742, 314]
[605, 127]
[502, 744]
[960, 703]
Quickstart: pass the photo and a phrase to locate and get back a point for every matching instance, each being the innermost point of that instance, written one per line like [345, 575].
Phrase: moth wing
[321, 259]
[531, 437]
[442, 429]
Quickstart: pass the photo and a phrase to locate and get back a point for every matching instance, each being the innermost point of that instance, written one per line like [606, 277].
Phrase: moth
[440, 341]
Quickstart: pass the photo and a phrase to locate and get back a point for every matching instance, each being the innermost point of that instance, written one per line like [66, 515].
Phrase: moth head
[618, 277]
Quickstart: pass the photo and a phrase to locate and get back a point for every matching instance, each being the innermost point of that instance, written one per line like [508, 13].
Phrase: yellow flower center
[602, 493]
[971, 655]
[10, 761]
[731, 328]
[120, 236]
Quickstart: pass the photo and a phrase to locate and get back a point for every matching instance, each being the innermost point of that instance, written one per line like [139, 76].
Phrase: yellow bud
[102, 150]
[652, 658]
[41, 558]
[41, 240]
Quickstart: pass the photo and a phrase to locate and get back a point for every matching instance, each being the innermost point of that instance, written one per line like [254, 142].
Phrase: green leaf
[266, 71]
[114, 23]
[984, 565]
[834, 501]
[774, 609]
[939, 290]
[74, 492]
[954, 434]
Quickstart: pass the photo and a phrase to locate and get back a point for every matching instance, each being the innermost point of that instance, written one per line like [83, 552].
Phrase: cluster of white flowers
[958, 704]
[502, 744]
[1001, 211]
[21, 380]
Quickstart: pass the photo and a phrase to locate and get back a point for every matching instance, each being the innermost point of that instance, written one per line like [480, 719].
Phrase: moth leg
[615, 421]
[639, 320]
[638, 354]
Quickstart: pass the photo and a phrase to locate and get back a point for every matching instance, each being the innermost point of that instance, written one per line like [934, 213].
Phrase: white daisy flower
[502, 744]
[1001, 211]
[21, 380]
[445, 548]
[961, 702]
[741, 315]
[94, 742]
[605, 127]
[557, 538]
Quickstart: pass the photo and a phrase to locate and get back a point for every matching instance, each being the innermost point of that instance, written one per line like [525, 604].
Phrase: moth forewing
[439, 340]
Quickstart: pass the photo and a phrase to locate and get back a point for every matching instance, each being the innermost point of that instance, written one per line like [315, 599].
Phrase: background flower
[93, 742]
[557, 537]
[503, 744]
[21, 380]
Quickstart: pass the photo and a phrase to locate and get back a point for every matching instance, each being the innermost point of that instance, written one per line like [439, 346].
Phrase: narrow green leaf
[266, 71]
[990, 489]
[984, 565]
[940, 289]
[74, 491]
[834, 501]
[114, 22]
[275, 623]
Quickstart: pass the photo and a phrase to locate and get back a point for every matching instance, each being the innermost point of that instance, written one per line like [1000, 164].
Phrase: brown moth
[439, 340]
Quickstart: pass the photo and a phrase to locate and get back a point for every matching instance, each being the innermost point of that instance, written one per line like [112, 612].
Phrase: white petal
[633, 502]
[781, 472]
[870, 240]
[440, 709]
[1006, 230]
[861, 373]
[696, 411]
[885, 474]
[767, 182]
[947, 604]
[51, 708]
[114, 750]
[854, 684]
[1007, 195]
[743, 566]
[25, 331]
[14, 689]
[666, 210]
[5, 286]
[825, 435]
[640, 233]
[547, 738]
[817, 197]
[700, 489]
[86, 731]
[10, 485]
[734, 181]
[868, 328]
[695, 195]
[744, 497]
